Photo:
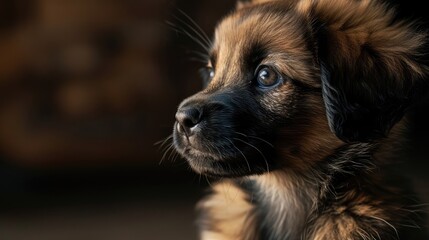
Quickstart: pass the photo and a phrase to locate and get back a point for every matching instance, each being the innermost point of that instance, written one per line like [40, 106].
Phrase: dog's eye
[267, 77]
[211, 72]
[207, 73]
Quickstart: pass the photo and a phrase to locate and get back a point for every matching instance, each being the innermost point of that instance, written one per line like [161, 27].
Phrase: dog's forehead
[248, 32]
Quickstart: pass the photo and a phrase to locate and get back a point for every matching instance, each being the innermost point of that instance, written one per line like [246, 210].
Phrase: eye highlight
[210, 72]
[266, 77]
[207, 74]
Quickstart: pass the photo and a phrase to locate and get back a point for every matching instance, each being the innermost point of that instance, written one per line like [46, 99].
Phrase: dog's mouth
[223, 153]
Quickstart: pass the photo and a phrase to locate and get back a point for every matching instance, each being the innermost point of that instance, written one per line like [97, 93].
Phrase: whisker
[176, 155]
[258, 138]
[252, 146]
[171, 147]
[197, 26]
[244, 156]
[214, 147]
[162, 142]
[198, 34]
[181, 30]
[208, 181]
[172, 153]
[202, 55]
[204, 61]
[167, 146]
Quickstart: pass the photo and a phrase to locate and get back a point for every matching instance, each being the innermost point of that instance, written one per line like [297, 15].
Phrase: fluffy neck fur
[288, 203]
[286, 200]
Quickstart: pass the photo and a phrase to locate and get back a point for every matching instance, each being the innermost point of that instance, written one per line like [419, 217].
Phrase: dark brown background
[86, 89]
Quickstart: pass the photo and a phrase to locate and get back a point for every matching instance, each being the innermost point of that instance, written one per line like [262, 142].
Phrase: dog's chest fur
[342, 200]
[282, 204]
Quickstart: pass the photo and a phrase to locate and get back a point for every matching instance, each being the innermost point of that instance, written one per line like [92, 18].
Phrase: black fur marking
[363, 97]
[358, 119]
[253, 57]
[260, 210]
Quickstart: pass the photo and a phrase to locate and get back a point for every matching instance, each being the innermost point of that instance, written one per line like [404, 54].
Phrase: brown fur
[327, 183]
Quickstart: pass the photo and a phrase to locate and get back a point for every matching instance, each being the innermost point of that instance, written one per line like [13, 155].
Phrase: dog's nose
[187, 118]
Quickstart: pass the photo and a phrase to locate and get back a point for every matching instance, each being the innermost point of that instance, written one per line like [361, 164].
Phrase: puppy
[304, 104]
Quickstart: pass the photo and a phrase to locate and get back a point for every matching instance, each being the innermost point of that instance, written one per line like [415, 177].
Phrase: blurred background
[87, 87]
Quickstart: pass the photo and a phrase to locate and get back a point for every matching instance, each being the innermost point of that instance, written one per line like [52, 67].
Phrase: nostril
[189, 123]
[188, 118]
[193, 117]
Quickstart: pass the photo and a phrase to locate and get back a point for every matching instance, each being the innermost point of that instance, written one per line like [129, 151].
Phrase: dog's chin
[208, 155]
[231, 166]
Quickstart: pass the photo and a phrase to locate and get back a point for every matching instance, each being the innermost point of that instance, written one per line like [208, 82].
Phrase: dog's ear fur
[372, 65]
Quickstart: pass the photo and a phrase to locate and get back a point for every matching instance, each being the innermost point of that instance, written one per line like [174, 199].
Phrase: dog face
[285, 84]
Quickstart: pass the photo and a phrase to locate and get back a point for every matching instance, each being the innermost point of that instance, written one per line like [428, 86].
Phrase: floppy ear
[372, 67]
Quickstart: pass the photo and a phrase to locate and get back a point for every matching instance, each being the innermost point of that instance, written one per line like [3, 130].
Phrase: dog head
[290, 81]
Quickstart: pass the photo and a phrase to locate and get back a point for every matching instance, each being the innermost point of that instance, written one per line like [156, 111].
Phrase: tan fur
[243, 4]
[307, 143]
[354, 23]
[291, 193]
[341, 224]
[295, 212]
[236, 34]
[230, 212]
